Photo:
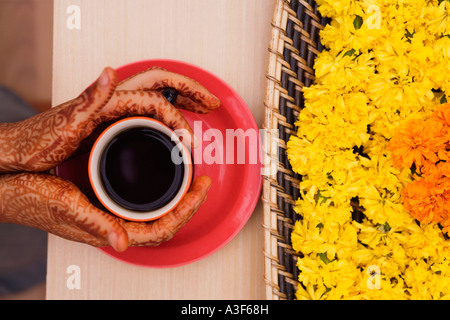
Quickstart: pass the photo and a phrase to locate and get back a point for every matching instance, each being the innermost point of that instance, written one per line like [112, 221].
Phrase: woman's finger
[192, 96]
[129, 103]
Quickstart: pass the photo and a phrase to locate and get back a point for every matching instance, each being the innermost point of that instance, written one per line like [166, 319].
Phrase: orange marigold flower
[435, 172]
[442, 188]
[427, 200]
[442, 114]
[419, 201]
[418, 142]
[444, 169]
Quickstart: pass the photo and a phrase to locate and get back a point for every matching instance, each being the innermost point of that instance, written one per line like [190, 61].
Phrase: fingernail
[103, 81]
[209, 187]
[112, 239]
[196, 143]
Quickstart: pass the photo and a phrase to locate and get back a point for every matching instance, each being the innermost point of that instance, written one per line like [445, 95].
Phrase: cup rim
[94, 173]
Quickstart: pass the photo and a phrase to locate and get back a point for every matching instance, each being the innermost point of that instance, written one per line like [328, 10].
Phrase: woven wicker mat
[294, 45]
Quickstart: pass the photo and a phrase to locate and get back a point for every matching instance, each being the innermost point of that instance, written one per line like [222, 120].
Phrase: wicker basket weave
[294, 45]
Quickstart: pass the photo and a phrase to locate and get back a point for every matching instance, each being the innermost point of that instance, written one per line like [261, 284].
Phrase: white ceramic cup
[94, 168]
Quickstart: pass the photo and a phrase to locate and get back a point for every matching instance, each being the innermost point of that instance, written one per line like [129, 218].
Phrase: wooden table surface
[227, 37]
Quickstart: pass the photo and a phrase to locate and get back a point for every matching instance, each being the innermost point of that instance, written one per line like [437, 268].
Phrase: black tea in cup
[137, 170]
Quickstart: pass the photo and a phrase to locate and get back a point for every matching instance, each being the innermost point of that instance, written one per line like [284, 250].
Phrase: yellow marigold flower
[344, 71]
[440, 19]
[383, 207]
[442, 48]
[310, 293]
[341, 34]
[397, 92]
[329, 8]
[426, 243]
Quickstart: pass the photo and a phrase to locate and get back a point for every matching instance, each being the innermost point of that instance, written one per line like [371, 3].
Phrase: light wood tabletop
[226, 37]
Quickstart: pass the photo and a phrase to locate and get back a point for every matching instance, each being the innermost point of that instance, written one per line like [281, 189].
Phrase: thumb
[90, 102]
[103, 227]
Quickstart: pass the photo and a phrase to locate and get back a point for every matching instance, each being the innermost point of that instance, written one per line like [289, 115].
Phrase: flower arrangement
[373, 206]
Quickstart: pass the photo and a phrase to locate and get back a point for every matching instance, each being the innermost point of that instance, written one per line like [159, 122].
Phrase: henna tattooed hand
[42, 142]
[57, 206]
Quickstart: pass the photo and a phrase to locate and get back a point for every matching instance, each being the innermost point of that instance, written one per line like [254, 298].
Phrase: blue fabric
[23, 258]
[23, 250]
[12, 107]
